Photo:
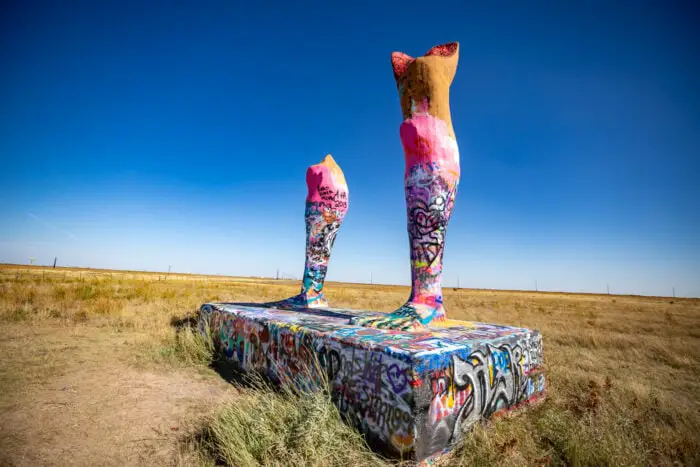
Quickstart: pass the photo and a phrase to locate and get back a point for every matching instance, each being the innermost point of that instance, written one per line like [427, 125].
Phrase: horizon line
[166, 273]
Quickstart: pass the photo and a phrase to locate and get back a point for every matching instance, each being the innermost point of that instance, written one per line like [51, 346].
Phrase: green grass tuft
[185, 346]
[265, 426]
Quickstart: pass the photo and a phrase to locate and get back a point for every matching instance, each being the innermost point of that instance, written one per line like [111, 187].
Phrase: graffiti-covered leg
[430, 179]
[326, 205]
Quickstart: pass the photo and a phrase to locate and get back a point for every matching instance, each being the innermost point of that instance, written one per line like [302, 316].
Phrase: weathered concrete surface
[410, 392]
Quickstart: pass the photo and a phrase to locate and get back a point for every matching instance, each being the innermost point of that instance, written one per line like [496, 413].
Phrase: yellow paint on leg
[333, 166]
[448, 323]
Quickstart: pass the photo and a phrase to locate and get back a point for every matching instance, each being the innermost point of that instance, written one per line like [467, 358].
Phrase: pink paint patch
[426, 300]
[323, 187]
[426, 140]
[448, 399]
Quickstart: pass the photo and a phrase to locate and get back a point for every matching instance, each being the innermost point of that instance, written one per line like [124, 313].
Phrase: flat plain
[96, 369]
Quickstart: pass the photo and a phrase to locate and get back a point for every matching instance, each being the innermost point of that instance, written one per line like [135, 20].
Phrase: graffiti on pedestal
[410, 391]
[492, 379]
[370, 388]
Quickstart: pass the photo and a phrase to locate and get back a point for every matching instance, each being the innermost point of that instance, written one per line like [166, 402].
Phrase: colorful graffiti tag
[495, 378]
[411, 393]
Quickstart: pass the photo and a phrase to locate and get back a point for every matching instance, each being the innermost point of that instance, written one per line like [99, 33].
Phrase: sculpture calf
[326, 206]
[431, 178]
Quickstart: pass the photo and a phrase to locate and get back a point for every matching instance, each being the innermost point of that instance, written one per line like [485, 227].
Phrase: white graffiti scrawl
[489, 380]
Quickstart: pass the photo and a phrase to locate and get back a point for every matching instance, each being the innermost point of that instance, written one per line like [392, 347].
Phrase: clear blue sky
[140, 135]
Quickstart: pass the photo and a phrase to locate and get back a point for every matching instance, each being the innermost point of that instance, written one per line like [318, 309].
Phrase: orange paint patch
[402, 442]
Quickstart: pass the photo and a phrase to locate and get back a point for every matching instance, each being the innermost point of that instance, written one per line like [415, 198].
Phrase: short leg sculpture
[326, 205]
[431, 179]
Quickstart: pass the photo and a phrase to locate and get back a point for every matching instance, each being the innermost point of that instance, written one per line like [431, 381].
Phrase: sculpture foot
[300, 301]
[410, 317]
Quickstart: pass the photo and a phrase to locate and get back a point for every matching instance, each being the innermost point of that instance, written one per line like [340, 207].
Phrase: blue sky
[146, 134]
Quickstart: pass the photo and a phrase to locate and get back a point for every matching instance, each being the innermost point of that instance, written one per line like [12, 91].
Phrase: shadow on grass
[231, 374]
[181, 323]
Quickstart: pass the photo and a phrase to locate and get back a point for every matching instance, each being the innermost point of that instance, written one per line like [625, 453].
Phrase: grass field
[99, 367]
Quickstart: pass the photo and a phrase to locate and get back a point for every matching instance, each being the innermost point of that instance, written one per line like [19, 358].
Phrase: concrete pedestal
[410, 393]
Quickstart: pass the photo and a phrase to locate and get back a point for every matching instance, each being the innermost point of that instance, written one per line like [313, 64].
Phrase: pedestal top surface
[438, 338]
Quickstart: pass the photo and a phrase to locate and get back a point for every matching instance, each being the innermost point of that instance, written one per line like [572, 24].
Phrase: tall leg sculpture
[326, 205]
[430, 179]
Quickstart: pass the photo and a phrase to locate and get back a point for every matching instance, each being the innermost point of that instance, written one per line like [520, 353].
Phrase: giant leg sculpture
[430, 180]
[326, 205]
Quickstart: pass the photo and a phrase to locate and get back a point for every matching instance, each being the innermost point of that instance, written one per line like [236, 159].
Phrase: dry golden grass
[623, 371]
